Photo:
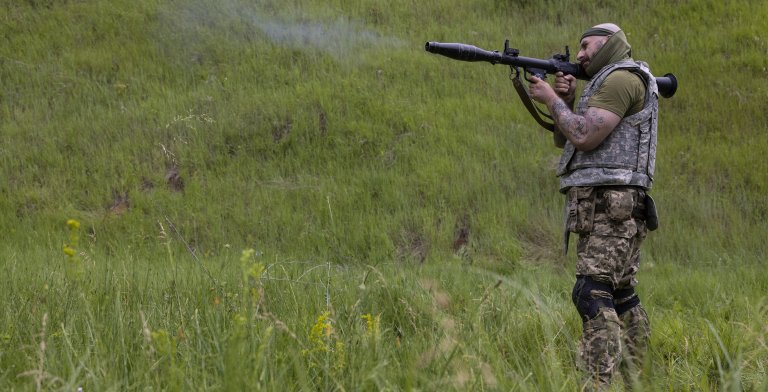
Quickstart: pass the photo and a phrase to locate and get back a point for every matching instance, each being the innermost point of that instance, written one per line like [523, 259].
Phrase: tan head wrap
[615, 49]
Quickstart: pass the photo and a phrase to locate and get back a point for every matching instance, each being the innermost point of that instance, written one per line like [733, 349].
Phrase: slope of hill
[321, 132]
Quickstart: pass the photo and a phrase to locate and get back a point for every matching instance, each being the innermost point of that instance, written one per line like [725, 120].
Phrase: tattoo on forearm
[567, 121]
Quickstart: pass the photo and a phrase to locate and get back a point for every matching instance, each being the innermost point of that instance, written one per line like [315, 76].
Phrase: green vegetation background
[294, 193]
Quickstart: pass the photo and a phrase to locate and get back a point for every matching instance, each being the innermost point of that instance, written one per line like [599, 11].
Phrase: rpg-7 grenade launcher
[667, 84]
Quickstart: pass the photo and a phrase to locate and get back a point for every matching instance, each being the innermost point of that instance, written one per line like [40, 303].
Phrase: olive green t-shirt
[622, 93]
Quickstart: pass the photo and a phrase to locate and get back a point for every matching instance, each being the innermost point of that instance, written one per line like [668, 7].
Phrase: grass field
[272, 195]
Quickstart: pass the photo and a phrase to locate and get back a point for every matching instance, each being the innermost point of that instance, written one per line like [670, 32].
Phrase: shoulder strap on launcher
[528, 103]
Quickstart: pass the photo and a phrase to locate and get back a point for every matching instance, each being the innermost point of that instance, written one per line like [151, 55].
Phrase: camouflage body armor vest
[628, 155]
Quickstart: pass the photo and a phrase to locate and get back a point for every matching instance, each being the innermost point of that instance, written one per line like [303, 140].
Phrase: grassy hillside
[370, 178]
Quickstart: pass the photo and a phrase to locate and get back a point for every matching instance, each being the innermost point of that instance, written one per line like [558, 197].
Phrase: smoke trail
[340, 38]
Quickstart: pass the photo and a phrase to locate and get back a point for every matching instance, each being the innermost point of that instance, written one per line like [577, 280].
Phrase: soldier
[606, 170]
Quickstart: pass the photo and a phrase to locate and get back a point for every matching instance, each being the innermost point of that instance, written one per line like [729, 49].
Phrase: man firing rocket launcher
[540, 68]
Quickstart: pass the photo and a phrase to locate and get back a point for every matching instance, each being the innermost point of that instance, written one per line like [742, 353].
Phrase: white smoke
[340, 37]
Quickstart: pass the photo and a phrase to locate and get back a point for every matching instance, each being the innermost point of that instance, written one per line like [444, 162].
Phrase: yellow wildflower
[322, 328]
[69, 251]
[73, 224]
[372, 326]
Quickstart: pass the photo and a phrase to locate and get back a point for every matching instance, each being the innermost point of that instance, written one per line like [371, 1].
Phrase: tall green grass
[373, 178]
[138, 320]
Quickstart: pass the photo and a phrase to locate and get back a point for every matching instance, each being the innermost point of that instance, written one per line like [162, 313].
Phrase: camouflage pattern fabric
[600, 349]
[612, 343]
[636, 333]
[627, 156]
[610, 234]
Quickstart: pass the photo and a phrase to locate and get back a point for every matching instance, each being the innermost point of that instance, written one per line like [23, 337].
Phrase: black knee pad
[624, 300]
[587, 305]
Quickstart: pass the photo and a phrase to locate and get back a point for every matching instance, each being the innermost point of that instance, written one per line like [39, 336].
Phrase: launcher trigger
[537, 72]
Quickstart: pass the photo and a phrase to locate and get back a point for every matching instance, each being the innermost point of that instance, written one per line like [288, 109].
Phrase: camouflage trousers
[611, 228]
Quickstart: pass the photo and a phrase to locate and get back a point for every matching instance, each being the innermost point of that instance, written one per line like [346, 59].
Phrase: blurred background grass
[271, 116]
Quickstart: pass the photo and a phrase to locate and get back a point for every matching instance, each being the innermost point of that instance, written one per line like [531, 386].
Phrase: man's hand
[541, 91]
[565, 87]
